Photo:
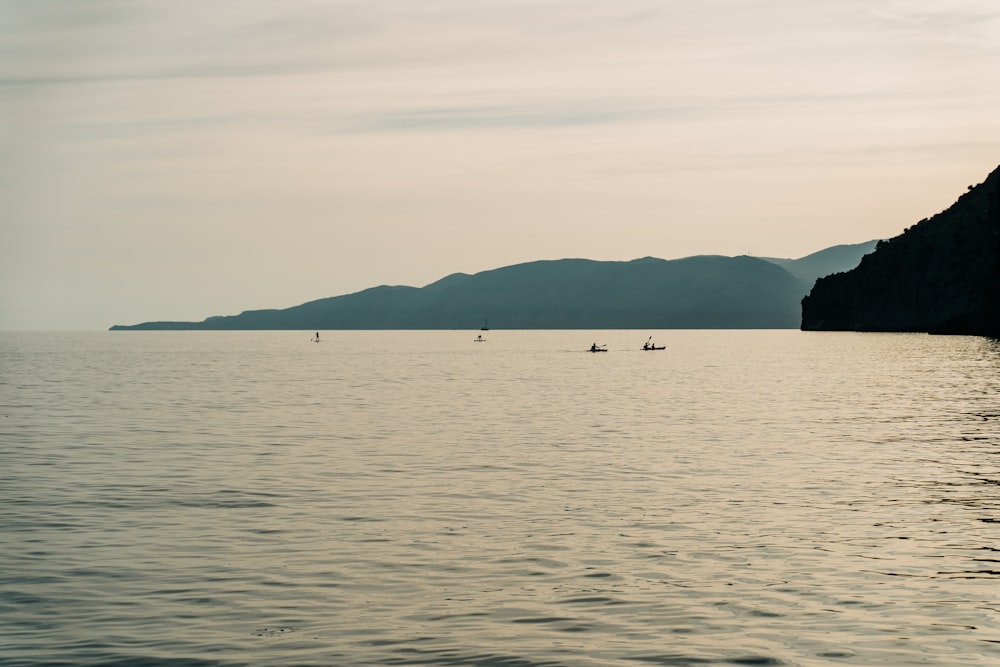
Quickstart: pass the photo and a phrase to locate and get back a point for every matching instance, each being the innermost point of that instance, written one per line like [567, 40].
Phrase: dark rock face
[940, 276]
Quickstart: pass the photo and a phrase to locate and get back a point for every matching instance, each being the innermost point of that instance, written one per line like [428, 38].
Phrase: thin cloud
[969, 25]
[488, 118]
[582, 112]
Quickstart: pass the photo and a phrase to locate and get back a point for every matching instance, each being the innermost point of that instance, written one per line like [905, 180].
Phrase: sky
[177, 160]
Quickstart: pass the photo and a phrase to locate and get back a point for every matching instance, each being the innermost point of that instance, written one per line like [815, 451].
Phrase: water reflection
[748, 498]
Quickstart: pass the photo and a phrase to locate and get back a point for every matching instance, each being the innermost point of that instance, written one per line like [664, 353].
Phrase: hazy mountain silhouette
[941, 276]
[696, 292]
[824, 262]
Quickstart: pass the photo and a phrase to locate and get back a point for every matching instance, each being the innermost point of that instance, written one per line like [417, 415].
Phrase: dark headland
[703, 292]
[942, 275]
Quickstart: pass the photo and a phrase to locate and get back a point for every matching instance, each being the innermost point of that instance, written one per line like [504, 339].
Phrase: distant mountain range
[941, 275]
[703, 292]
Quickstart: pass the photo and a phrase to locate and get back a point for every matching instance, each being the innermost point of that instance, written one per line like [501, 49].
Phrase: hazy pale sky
[175, 160]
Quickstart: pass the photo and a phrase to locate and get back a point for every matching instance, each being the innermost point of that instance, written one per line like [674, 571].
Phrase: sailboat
[486, 324]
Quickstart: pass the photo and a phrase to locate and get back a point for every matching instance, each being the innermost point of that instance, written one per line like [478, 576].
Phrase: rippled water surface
[415, 498]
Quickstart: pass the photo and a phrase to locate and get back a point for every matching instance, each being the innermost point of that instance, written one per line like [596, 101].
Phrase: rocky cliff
[940, 276]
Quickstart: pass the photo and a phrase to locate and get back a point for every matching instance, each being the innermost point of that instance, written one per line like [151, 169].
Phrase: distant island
[941, 275]
[702, 292]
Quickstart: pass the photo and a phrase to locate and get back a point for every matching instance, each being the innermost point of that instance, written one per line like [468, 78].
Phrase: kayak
[649, 349]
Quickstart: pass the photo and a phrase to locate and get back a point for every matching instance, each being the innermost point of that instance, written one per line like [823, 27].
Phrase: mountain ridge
[702, 291]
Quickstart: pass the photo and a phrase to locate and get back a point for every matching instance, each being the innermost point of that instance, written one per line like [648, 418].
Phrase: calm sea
[417, 498]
